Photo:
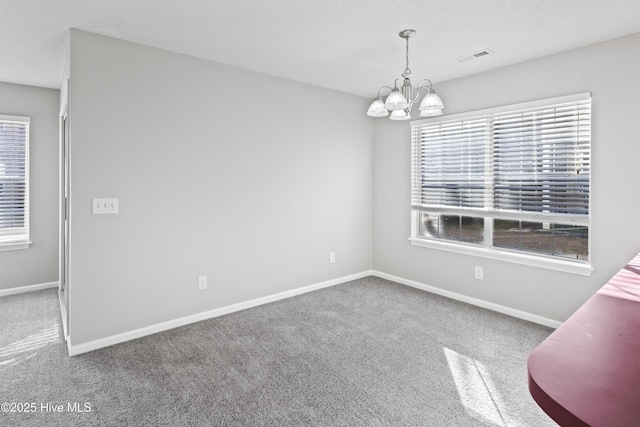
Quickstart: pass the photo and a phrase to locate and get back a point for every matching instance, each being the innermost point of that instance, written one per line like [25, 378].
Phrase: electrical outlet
[202, 283]
[332, 257]
[479, 273]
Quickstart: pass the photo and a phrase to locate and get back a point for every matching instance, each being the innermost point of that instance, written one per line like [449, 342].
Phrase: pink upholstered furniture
[587, 372]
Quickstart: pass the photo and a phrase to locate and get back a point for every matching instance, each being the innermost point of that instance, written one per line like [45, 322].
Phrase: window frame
[490, 213]
[21, 239]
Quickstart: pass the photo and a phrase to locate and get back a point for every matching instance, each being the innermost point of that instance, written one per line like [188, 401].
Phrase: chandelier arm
[415, 98]
[421, 86]
[384, 87]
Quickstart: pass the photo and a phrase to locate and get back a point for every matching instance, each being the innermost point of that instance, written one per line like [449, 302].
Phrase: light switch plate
[105, 206]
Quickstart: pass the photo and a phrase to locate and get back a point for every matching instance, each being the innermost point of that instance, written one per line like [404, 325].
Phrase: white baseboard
[182, 321]
[28, 288]
[470, 300]
[159, 327]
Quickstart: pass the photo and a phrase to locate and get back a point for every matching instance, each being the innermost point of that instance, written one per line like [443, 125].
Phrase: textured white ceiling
[347, 45]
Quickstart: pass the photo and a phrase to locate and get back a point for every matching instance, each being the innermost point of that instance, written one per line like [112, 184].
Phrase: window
[509, 183]
[14, 182]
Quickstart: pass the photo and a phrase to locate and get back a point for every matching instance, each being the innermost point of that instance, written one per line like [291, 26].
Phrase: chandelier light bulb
[377, 109]
[396, 101]
[400, 115]
[431, 105]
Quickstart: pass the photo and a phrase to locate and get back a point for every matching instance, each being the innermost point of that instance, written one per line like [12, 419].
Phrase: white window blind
[527, 161]
[542, 159]
[449, 163]
[14, 181]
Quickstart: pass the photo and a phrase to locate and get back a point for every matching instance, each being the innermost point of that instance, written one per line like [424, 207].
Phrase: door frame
[65, 196]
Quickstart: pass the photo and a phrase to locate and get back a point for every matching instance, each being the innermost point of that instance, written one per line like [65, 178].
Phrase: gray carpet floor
[365, 353]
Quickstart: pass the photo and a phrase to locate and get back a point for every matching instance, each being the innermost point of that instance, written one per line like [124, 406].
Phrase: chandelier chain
[407, 53]
[407, 56]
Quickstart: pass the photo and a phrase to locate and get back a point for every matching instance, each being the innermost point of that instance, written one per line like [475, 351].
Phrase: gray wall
[246, 178]
[39, 263]
[610, 72]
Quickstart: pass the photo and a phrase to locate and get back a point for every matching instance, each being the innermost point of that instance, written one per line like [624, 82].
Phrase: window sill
[581, 268]
[14, 246]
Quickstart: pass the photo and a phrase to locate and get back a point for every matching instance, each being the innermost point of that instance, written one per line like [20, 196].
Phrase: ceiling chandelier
[400, 101]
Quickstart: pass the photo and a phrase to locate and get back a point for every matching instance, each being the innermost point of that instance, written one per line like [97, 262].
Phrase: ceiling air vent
[475, 55]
